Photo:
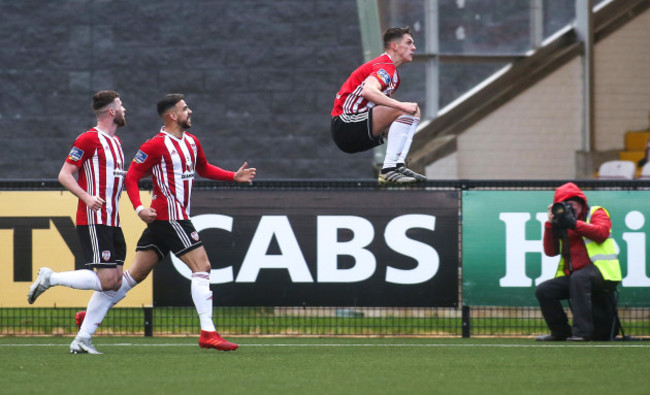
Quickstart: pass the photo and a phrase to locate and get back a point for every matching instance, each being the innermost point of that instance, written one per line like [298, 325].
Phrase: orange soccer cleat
[79, 318]
[214, 340]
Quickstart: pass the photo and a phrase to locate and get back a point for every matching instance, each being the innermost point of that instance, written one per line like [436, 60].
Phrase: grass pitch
[135, 365]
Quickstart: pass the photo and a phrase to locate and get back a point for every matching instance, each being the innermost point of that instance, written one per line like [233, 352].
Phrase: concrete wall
[260, 77]
[536, 135]
[622, 79]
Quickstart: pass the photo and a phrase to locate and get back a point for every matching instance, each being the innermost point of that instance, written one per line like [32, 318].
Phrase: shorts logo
[140, 157]
[383, 75]
[106, 255]
[75, 154]
[195, 236]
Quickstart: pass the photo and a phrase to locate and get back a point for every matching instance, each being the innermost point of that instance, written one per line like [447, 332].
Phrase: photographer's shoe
[550, 338]
[577, 339]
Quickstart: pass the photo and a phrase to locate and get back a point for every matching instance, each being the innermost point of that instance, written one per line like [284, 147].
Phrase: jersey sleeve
[141, 165]
[208, 170]
[82, 149]
[383, 72]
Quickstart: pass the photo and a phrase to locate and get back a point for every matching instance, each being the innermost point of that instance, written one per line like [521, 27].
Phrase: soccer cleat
[83, 346]
[395, 177]
[214, 340]
[79, 318]
[410, 173]
[41, 284]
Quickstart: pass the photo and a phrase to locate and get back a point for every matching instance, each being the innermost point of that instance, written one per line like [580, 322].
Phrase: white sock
[397, 136]
[409, 140]
[202, 297]
[98, 306]
[77, 279]
[101, 302]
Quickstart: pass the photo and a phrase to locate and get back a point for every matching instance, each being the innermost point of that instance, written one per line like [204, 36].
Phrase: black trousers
[592, 301]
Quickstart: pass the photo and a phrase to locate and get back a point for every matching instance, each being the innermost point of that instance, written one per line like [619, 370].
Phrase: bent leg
[583, 282]
[549, 294]
[78, 279]
[384, 116]
[110, 278]
[144, 262]
[101, 302]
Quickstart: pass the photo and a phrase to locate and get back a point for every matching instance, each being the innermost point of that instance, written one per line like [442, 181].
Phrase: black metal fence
[304, 321]
[463, 321]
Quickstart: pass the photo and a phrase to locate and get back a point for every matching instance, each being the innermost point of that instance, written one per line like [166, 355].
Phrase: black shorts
[353, 133]
[103, 246]
[164, 237]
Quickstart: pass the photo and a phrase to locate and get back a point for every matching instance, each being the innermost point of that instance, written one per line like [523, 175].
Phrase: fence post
[148, 321]
[466, 323]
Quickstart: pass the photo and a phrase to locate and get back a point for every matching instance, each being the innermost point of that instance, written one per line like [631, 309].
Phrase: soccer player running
[97, 157]
[364, 112]
[172, 157]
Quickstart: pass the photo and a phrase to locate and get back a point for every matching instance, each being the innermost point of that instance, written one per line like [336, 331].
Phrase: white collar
[162, 130]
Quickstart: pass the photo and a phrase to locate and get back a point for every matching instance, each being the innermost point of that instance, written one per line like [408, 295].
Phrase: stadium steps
[636, 142]
[432, 141]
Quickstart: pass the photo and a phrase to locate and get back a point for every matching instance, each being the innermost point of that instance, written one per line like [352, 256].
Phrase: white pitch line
[627, 345]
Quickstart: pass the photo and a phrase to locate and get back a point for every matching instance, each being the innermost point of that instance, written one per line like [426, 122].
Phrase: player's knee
[204, 266]
[111, 284]
[138, 276]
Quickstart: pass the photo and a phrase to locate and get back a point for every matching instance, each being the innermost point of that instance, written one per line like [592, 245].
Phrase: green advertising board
[502, 251]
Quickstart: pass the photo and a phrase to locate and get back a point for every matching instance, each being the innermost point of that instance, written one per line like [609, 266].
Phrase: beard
[119, 121]
[186, 124]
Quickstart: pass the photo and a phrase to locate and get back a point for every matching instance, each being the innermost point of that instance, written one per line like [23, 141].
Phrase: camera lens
[558, 209]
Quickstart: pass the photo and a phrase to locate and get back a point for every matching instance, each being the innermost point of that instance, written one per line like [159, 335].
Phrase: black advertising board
[322, 248]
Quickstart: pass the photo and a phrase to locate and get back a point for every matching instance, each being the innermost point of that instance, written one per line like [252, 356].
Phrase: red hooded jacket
[597, 229]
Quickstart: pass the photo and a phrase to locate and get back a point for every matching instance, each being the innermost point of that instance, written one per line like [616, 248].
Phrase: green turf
[139, 365]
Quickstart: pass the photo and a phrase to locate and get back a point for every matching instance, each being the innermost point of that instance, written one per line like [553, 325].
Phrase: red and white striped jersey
[100, 160]
[349, 101]
[172, 163]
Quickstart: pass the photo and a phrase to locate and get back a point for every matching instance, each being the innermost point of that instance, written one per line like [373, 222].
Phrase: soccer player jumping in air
[364, 113]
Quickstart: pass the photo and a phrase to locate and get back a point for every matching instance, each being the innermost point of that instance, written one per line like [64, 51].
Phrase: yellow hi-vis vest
[602, 255]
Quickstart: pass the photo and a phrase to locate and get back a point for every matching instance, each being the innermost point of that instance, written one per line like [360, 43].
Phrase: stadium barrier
[328, 258]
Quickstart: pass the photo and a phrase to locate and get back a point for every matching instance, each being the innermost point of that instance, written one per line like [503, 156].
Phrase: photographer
[588, 272]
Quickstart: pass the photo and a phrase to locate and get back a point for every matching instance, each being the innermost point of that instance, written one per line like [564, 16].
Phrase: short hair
[395, 33]
[169, 101]
[102, 99]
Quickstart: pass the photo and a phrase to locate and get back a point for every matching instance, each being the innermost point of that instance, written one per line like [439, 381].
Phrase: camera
[563, 213]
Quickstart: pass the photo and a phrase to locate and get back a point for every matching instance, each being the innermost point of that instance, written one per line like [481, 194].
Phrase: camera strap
[566, 250]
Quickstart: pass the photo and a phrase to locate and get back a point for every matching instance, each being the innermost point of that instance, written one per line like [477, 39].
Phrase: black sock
[386, 170]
